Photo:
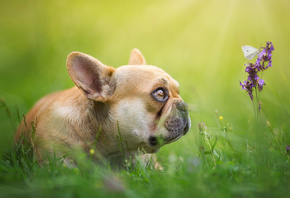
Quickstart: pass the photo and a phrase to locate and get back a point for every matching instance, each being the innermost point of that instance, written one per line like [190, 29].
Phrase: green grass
[199, 44]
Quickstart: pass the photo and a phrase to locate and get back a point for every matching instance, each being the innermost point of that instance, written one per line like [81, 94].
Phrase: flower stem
[258, 129]
[254, 109]
[206, 135]
[257, 98]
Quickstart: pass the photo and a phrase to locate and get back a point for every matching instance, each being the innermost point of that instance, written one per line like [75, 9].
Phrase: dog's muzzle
[177, 124]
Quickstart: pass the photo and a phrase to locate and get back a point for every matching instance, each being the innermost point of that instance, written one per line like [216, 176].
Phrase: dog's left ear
[136, 58]
[91, 76]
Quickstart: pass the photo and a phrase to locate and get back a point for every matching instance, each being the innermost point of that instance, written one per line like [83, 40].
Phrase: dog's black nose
[182, 106]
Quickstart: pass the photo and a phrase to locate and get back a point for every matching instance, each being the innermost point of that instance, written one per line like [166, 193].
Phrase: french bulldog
[114, 111]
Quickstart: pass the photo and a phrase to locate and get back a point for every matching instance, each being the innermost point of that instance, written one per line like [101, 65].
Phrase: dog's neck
[86, 119]
[89, 124]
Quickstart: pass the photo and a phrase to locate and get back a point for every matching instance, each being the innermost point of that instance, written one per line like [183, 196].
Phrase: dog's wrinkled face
[148, 107]
[143, 99]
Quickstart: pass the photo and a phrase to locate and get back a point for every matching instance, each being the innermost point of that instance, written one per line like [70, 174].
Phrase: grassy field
[199, 44]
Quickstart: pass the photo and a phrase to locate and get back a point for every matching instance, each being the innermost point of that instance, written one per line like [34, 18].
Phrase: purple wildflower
[265, 56]
[269, 50]
[261, 82]
[248, 86]
[252, 71]
[258, 65]
[253, 80]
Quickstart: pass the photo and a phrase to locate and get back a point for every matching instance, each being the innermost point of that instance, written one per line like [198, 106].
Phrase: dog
[114, 111]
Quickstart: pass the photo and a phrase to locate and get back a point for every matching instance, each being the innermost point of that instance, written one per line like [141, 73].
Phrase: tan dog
[136, 106]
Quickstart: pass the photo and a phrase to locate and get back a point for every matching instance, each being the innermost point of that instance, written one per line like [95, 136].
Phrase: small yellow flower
[221, 117]
[92, 151]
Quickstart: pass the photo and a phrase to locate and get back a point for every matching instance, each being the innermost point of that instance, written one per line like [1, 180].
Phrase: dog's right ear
[91, 76]
[136, 58]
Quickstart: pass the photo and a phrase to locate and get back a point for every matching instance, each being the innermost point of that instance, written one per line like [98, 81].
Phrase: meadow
[228, 152]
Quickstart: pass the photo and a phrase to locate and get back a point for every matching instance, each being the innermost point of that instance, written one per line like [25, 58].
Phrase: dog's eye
[160, 94]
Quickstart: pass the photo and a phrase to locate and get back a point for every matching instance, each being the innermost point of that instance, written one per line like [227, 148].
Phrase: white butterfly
[250, 52]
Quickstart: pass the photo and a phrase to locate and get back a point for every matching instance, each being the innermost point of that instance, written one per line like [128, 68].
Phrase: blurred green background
[198, 42]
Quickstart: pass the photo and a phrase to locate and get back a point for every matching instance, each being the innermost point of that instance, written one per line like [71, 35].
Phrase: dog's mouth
[173, 139]
[159, 141]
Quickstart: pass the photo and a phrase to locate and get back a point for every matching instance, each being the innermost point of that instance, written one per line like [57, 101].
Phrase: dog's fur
[107, 103]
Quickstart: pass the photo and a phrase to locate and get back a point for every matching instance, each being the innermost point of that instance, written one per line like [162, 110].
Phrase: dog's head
[143, 102]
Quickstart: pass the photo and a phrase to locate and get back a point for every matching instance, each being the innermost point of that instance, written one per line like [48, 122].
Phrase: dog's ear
[136, 58]
[91, 76]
